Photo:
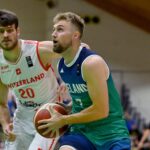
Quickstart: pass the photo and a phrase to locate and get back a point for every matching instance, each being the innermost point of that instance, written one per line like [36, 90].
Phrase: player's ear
[76, 35]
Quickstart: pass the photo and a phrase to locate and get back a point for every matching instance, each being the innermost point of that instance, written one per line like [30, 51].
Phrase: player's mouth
[55, 42]
[6, 41]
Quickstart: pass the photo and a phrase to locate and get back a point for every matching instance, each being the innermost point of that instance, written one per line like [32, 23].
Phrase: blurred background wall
[124, 46]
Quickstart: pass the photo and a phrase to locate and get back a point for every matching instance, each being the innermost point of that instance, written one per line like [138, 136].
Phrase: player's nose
[54, 34]
[5, 33]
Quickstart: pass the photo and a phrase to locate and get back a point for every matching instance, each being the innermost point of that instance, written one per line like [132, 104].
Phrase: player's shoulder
[94, 63]
[89, 57]
[93, 60]
[28, 42]
[41, 44]
[45, 45]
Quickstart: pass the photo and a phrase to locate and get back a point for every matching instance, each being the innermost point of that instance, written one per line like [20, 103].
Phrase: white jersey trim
[75, 58]
[67, 146]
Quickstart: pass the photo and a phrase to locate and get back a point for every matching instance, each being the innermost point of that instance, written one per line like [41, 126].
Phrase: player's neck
[14, 54]
[71, 53]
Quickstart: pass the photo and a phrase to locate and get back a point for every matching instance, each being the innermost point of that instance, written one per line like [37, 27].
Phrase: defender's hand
[10, 136]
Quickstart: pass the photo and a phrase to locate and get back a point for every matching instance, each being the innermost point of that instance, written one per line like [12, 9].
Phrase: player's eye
[60, 29]
[9, 30]
[2, 31]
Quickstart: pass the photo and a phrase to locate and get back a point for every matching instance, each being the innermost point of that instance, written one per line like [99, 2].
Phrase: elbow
[104, 114]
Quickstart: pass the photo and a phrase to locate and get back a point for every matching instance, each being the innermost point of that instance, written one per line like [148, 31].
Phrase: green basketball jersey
[103, 130]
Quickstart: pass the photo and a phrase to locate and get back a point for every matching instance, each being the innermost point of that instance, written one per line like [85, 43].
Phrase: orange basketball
[45, 112]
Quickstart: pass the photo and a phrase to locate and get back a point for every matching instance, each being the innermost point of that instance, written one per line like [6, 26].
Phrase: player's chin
[57, 50]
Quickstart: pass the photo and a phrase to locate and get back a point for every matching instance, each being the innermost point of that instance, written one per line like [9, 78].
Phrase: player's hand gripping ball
[46, 111]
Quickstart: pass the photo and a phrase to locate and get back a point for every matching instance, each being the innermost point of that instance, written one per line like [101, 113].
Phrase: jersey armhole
[82, 69]
[108, 72]
[37, 51]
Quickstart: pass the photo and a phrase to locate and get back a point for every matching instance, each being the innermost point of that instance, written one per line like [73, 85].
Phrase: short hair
[8, 18]
[73, 18]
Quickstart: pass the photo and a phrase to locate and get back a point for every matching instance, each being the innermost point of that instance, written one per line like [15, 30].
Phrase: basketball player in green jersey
[97, 121]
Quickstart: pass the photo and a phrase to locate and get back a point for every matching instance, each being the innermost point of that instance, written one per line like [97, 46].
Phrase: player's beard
[58, 48]
[11, 47]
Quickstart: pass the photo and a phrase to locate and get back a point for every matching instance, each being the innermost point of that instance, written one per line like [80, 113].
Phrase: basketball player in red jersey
[25, 68]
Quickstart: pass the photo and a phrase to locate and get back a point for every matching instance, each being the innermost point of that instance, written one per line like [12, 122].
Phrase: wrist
[65, 120]
[141, 143]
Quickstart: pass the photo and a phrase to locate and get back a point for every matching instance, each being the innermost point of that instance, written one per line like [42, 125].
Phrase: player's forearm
[145, 136]
[4, 115]
[88, 115]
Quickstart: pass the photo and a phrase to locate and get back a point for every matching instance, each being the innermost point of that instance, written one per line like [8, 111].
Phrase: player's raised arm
[46, 53]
